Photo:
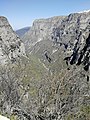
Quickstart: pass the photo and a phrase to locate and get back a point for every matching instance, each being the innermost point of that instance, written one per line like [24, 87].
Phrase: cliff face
[49, 38]
[11, 47]
[53, 81]
[62, 45]
[40, 30]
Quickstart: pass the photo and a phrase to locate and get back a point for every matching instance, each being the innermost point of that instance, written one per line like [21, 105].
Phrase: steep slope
[63, 47]
[53, 81]
[49, 39]
[41, 30]
[11, 47]
[22, 31]
[19, 75]
[38, 40]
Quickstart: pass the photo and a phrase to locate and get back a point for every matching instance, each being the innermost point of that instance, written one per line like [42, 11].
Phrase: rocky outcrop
[41, 30]
[65, 34]
[11, 47]
[63, 48]
[53, 81]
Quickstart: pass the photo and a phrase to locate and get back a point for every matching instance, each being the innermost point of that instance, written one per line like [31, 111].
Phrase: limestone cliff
[63, 48]
[53, 81]
[11, 47]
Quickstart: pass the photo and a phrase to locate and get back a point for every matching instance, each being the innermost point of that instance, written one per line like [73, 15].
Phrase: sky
[22, 13]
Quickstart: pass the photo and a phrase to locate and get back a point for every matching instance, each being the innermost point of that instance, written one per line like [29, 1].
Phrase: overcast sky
[22, 13]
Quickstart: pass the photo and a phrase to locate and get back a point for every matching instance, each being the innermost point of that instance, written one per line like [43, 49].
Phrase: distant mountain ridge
[22, 31]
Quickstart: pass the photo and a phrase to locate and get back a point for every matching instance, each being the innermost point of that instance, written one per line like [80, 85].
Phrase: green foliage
[29, 69]
[70, 117]
[82, 114]
[85, 110]
[12, 117]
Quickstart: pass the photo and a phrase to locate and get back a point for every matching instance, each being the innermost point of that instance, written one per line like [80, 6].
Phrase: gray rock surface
[62, 45]
[53, 81]
[58, 35]
[11, 47]
[40, 30]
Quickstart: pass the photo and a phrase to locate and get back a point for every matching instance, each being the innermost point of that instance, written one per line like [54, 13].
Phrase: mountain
[18, 73]
[51, 81]
[22, 31]
[49, 38]
[62, 45]
[11, 47]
